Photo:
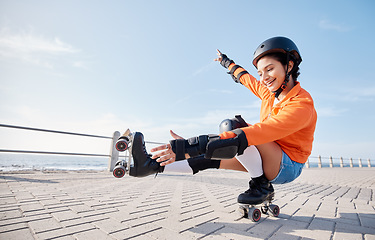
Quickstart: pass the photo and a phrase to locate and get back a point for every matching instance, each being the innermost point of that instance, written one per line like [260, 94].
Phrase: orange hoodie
[290, 123]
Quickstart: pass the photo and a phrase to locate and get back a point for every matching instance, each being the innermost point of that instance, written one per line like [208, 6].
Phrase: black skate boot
[200, 163]
[144, 165]
[260, 190]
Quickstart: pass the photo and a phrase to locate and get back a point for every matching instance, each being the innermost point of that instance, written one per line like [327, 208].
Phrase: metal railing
[113, 154]
[338, 162]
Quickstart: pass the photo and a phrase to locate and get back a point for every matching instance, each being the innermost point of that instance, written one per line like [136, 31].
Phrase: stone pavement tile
[30, 207]
[343, 227]
[44, 225]
[232, 233]
[93, 234]
[369, 236]
[7, 199]
[351, 236]
[49, 201]
[327, 193]
[347, 213]
[167, 234]
[12, 227]
[62, 232]
[352, 193]
[288, 210]
[79, 208]
[312, 234]
[340, 192]
[285, 232]
[143, 221]
[264, 229]
[13, 221]
[83, 220]
[21, 234]
[365, 194]
[65, 215]
[231, 221]
[345, 203]
[23, 195]
[367, 221]
[205, 229]
[321, 224]
[44, 212]
[361, 201]
[110, 225]
[365, 208]
[327, 209]
[303, 215]
[8, 214]
[138, 231]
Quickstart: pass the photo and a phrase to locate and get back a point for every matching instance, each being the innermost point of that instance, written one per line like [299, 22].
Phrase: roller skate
[261, 192]
[138, 163]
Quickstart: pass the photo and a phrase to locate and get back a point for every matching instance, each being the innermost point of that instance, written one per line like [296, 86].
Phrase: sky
[97, 67]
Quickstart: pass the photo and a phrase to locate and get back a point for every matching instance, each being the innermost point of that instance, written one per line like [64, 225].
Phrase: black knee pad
[231, 124]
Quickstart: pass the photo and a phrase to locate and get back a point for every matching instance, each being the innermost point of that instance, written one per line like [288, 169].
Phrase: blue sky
[103, 66]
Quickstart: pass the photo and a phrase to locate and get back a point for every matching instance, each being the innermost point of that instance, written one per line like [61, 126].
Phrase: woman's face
[271, 72]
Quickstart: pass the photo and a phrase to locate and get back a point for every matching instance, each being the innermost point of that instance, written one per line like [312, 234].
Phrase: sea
[42, 162]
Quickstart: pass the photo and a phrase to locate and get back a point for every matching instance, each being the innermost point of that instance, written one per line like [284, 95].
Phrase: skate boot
[260, 190]
[144, 165]
[200, 163]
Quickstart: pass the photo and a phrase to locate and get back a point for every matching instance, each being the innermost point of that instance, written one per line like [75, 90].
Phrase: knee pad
[231, 124]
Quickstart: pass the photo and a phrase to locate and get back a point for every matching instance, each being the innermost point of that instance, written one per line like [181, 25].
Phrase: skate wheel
[119, 171]
[275, 210]
[255, 214]
[122, 145]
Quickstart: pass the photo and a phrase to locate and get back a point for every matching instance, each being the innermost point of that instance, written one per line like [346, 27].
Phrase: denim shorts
[289, 170]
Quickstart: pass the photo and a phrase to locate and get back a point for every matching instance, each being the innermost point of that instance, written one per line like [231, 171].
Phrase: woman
[273, 150]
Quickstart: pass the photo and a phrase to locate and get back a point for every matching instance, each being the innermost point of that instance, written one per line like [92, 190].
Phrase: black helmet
[277, 44]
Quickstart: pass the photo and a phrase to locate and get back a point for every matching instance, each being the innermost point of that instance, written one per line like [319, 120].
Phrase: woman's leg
[271, 154]
[232, 164]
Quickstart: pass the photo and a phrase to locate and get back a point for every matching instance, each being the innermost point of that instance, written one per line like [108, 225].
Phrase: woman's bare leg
[271, 154]
[232, 164]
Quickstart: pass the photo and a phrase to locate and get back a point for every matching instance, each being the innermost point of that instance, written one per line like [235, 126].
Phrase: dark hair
[281, 57]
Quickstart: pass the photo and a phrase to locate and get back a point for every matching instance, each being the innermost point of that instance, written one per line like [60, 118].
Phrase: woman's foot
[144, 165]
[260, 190]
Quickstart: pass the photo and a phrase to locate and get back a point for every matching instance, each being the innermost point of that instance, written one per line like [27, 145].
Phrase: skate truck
[123, 144]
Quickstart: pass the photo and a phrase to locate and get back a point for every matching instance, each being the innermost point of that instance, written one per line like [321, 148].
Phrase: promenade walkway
[326, 203]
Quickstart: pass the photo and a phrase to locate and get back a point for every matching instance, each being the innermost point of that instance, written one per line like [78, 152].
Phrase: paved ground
[321, 204]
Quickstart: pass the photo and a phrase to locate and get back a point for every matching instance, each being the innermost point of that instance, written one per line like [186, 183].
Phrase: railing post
[320, 161]
[330, 162]
[359, 162]
[307, 163]
[369, 162]
[341, 162]
[113, 152]
[351, 162]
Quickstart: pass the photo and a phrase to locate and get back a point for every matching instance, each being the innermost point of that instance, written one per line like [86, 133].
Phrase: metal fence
[114, 154]
[337, 162]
